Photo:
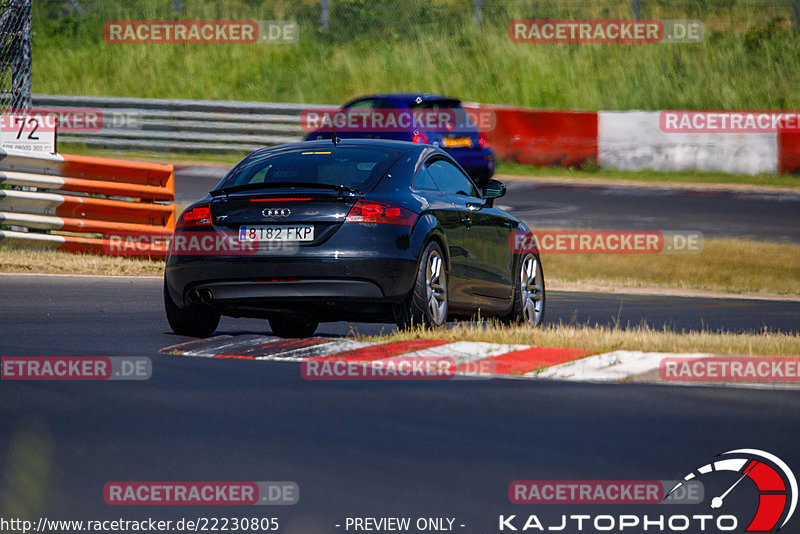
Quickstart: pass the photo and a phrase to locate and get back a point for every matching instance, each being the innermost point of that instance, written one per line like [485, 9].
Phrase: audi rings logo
[276, 212]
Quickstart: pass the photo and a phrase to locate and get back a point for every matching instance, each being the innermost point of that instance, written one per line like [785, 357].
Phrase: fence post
[324, 16]
[21, 60]
[477, 11]
[796, 13]
[76, 7]
[637, 9]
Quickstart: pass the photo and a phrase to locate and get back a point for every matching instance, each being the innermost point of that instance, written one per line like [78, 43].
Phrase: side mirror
[494, 189]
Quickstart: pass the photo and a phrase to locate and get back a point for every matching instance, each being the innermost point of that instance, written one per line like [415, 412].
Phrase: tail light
[420, 138]
[483, 141]
[380, 213]
[199, 215]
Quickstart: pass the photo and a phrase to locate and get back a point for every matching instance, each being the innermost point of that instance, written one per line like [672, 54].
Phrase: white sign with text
[28, 133]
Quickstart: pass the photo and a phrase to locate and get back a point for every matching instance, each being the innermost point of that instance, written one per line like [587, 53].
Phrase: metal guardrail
[155, 124]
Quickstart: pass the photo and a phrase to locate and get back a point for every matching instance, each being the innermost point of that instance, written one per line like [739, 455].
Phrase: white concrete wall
[633, 140]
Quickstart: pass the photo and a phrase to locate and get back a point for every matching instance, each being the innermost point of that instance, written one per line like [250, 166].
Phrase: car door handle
[466, 220]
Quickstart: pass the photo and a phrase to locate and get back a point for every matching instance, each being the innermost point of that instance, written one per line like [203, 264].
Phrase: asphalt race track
[755, 215]
[372, 449]
[761, 216]
[355, 449]
[116, 316]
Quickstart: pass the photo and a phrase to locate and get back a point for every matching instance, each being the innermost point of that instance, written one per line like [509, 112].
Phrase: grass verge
[726, 265]
[732, 266]
[606, 339]
[55, 262]
[747, 59]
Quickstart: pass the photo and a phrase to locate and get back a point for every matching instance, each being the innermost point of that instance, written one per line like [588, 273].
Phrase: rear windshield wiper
[282, 185]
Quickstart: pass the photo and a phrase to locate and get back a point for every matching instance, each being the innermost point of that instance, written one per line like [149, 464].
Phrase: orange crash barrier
[75, 203]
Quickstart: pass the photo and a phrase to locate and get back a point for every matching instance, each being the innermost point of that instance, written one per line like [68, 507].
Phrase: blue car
[435, 120]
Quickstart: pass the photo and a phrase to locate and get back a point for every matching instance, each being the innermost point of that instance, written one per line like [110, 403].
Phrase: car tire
[292, 327]
[194, 320]
[529, 293]
[427, 303]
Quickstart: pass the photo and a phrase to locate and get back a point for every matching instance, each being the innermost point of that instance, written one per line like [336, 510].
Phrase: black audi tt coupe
[361, 230]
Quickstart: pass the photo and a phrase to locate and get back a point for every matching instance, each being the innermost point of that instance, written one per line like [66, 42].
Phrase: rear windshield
[464, 123]
[358, 168]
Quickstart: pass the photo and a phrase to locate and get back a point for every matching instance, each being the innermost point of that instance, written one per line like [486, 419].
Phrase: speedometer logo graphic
[776, 484]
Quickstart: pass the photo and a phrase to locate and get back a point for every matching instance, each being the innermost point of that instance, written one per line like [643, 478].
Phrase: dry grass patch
[605, 339]
[726, 265]
[55, 262]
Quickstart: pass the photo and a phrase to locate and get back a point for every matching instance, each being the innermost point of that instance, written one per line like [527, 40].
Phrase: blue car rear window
[359, 168]
[464, 123]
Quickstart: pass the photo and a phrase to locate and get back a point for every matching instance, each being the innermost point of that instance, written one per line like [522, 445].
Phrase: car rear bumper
[242, 286]
[225, 292]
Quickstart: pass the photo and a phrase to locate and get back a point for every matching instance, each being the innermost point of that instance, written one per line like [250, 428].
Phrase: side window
[362, 104]
[451, 180]
[372, 103]
[260, 176]
[424, 181]
[384, 104]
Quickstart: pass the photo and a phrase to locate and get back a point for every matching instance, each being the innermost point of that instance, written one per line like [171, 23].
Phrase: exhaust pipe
[201, 296]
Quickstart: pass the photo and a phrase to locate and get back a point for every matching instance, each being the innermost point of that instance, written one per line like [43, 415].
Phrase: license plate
[456, 142]
[276, 233]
